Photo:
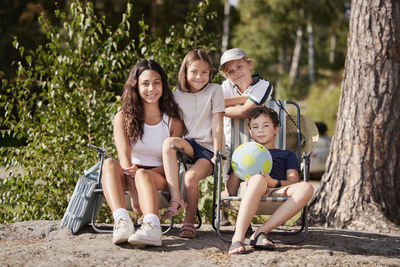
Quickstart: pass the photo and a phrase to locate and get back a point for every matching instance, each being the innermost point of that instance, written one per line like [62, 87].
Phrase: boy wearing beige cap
[242, 92]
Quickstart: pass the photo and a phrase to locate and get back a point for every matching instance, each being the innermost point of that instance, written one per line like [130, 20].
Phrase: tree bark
[361, 188]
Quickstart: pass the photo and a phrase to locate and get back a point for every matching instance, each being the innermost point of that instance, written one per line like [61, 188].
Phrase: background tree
[361, 188]
[274, 34]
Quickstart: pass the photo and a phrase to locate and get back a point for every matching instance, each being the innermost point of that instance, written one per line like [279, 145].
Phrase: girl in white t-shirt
[202, 106]
[149, 115]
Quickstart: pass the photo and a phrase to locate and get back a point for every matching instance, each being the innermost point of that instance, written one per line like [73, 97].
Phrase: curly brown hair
[132, 106]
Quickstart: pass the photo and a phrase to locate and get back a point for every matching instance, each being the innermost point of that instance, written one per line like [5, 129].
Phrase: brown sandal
[188, 230]
[173, 211]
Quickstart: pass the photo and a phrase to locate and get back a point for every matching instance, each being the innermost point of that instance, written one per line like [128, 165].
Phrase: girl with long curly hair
[149, 115]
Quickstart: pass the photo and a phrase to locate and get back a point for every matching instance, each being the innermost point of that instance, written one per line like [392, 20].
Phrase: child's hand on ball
[270, 181]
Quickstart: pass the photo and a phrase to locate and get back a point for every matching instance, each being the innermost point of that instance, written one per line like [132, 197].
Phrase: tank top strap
[168, 120]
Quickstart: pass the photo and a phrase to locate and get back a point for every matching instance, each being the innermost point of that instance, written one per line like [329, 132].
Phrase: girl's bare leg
[200, 170]
[171, 167]
[113, 182]
[148, 182]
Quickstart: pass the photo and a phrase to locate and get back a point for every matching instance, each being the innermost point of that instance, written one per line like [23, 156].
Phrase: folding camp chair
[88, 196]
[240, 134]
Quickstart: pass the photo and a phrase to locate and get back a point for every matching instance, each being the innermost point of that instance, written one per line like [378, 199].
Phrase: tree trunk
[283, 59]
[332, 47]
[225, 35]
[294, 67]
[311, 68]
[153, 18]
[361, 188]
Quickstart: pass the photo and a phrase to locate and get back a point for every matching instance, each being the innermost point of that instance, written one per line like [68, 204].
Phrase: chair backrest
[240, 133]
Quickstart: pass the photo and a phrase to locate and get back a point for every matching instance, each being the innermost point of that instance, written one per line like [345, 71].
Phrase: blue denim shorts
[200, 152]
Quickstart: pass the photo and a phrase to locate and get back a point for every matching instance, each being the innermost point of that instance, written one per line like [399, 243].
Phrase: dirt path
[42, 243]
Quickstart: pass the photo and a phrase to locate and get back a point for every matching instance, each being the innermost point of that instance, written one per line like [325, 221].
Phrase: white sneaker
[147, 234]
[123, 229]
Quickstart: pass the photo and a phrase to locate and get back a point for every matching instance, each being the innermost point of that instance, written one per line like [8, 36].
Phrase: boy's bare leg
[299, 194]
[232, 185]
[231, 189]
[256, 188]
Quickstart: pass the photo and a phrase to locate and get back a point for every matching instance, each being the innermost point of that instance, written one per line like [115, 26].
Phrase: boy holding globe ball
[283, 180]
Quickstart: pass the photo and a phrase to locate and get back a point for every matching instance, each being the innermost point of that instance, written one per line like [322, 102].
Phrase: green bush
[65, 96]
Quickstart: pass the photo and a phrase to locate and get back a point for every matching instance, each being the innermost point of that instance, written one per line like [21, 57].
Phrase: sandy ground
[42, 243]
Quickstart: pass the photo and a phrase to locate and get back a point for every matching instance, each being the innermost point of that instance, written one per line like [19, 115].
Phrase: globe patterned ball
[251, 158]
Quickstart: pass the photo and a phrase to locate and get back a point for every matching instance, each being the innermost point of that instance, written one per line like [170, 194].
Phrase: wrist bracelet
[278, 184]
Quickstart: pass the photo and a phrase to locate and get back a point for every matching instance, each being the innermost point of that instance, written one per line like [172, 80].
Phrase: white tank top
[147, 152]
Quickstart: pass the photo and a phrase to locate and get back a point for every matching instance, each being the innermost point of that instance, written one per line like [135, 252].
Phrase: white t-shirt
[198, 110]
[148, 151]
[259, 92]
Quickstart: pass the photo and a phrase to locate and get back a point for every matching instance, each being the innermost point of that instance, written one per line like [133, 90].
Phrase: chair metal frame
[218, 201]
[183, 161]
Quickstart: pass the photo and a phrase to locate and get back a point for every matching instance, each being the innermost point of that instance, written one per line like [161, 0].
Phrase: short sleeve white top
[198, 109]
[259, 92]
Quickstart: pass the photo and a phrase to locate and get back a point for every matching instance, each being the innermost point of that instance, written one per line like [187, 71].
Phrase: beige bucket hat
[309, 133]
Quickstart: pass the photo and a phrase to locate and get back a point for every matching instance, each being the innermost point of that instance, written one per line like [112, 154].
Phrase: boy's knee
[258, 183]
[306, 189]
[257, 180]
[310, 189]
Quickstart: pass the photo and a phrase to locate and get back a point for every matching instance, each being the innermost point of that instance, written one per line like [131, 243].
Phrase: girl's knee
[109, 164]
[167, 144]
[111, 168]
[190, 179]
[141, 175]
